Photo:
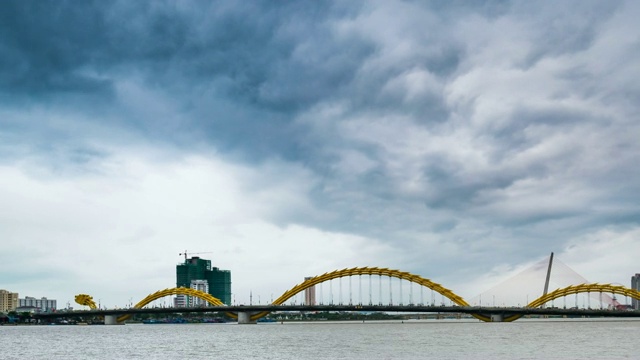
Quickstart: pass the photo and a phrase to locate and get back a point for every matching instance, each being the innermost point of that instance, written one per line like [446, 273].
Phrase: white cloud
[117, 235]
[607, 255]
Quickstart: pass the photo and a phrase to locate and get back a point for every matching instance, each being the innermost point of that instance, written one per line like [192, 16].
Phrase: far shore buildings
[8, 300]
[309, 294]
[39, 305]
[635, 285]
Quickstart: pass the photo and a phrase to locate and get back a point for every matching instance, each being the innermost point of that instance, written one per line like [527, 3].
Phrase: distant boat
[165, 321]
[266, 320]
[214, 321]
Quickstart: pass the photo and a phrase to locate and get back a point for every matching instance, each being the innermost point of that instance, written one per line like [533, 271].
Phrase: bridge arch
[585, 288]
[173, 291]
[458, 300]
[578, 289]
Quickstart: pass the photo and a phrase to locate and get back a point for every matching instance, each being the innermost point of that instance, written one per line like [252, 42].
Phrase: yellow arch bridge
[87, 300]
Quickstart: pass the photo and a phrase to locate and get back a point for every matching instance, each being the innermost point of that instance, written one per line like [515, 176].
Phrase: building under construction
[194, 272]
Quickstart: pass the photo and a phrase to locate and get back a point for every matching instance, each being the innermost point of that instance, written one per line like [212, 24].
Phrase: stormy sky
[459, 140]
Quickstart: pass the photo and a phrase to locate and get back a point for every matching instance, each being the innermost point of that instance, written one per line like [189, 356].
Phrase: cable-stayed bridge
[389, 290]
[528, 284]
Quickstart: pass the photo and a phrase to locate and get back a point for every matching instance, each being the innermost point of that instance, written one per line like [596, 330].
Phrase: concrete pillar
[497, 318]
[245, 318]
[112, 320]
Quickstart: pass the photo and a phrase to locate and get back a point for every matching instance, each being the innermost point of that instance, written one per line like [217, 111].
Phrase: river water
[420, 339]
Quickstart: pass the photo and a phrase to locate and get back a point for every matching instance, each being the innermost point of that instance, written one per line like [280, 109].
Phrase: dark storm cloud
[45, 45]
[239, 70]
[553, 151]
[476, 122]
[271, 61]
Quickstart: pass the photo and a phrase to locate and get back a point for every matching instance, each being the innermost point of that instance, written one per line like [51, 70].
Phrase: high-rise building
[8, 300]
[635, 285]
[309, 294]
[218, 281]
[180, 301]
[44, 304]
[200, 285]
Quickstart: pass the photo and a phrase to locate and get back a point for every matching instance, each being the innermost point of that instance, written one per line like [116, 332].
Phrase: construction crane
[193, 253]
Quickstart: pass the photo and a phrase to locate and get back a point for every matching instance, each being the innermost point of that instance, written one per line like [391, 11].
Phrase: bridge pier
[497, 318]
[112, 320]
[244, 317]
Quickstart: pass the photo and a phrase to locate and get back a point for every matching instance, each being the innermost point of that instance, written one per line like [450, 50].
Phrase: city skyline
[461, 142]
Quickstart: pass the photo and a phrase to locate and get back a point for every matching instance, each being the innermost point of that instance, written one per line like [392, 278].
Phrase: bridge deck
[506, 311]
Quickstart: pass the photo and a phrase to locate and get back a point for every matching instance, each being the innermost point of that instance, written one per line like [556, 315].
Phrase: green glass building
[196, 268]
